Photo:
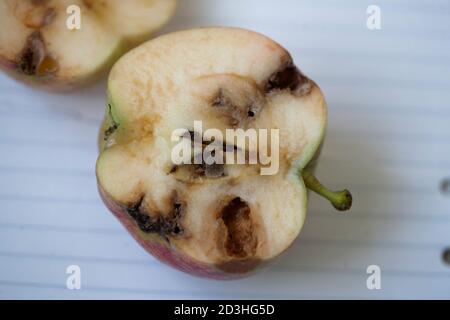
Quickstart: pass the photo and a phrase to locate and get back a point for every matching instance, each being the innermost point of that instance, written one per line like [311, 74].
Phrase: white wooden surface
[388, 141]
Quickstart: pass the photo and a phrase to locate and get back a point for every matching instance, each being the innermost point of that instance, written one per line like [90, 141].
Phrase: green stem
[341, 200]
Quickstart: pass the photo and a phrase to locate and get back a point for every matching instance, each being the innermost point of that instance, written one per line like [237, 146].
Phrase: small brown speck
[446, 256]
[445, 186]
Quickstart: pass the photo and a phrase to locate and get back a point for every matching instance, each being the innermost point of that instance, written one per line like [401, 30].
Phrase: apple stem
[341, 200]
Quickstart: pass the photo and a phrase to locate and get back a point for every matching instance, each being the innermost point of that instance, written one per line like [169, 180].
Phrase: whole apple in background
[213, 225]
[38, 48]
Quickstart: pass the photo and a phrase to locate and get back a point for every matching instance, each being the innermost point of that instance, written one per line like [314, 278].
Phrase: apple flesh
[36, 46]
[227, 222]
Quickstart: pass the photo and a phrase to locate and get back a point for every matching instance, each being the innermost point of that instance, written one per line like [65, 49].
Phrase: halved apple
[222, 221]
[37, 47]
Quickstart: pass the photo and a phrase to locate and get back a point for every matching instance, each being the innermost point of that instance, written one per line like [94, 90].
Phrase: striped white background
[388, 141]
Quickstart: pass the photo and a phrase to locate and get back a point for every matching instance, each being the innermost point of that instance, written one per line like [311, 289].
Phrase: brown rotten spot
[34, 60]
[241, 240]
[290, 78]
[163, 225]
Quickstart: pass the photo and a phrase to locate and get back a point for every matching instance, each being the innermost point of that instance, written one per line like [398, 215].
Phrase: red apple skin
[160, 249]
[6, 65]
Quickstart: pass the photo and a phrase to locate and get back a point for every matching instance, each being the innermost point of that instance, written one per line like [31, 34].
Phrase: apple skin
[159, 248]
